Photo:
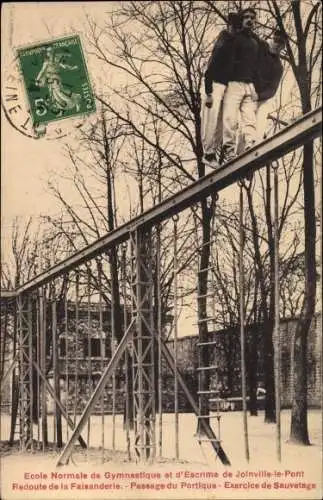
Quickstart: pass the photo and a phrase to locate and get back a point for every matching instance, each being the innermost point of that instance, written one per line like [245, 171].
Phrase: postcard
[160, 279]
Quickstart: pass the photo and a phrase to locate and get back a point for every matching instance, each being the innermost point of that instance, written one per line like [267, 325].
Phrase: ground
[196, 474]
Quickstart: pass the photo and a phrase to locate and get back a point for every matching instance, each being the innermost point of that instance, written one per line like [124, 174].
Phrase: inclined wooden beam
[306, 128]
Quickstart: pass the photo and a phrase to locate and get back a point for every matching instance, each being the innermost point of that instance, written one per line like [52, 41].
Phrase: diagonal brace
[10, 369]
[204, 424]
[108, 372]
[58, 402]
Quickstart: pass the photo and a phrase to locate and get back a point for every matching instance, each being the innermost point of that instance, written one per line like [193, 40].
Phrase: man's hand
[209, 101]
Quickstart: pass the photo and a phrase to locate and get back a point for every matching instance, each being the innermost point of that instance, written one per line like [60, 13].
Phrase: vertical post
[276, 324]
[143, 349]
[113, 345]
[159, 316]
[30, 366]
[38, 361]
[56, 373]
[126, 354]
[76, 369]
[159, 334]
[102, 355]
[89, 349]
[15, 377]
[175, 264]
[242, 325]
[42, 320]
[66, 361]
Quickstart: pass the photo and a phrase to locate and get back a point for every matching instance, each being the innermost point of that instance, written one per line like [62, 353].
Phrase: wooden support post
[277, 354]
[143, 349]
[15, 380]
[242, 326]
[67, 347]
[89, 348]
[43, 342]
[30, 365]
[25, 403]
[76, 342]
[176, 402]
[113, 345]
[159, 333]
[127, 359]
[56, 375]
[38, 361]
[102, 355]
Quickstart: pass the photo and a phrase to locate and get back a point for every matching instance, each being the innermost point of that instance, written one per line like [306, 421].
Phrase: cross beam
[7, 294]
[306, 128]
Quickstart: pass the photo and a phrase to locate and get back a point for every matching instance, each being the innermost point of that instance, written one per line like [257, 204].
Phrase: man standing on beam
[216, 78]
[240, 99]
[267, 78]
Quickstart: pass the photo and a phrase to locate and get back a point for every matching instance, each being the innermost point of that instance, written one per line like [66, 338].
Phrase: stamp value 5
[56, 80]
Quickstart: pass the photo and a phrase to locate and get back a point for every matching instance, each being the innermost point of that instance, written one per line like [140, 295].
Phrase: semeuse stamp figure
[56, 80]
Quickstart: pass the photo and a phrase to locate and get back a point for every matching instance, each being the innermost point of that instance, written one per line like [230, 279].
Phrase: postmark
[56, 80]
[15, 109]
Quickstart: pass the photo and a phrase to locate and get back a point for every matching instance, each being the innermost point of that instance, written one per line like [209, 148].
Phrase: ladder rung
[211, 391]
[209, 440]
[142, 283]
[212, 342]
[142, 392]
[214, 367]
[209, 416]
[143, 309]
[206, 269]
[145, 447]
[203, 320]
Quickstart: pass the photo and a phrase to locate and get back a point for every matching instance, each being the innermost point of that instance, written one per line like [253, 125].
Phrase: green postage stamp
[56, 79]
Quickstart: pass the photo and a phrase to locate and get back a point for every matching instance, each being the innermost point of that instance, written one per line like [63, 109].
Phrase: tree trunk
[270, 413]
[252, 362]
[267, 316]
[299, 426]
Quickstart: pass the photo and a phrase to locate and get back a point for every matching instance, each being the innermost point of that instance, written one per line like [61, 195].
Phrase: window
[94, 349]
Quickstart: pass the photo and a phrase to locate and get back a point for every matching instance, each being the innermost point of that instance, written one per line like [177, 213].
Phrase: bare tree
[161, 48]
[304, 54]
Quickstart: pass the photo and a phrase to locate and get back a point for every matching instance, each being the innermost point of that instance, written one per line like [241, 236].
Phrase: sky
[26, 163]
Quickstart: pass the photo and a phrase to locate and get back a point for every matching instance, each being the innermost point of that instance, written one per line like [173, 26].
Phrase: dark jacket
[245, 60]
[220, 64]
[269, 73]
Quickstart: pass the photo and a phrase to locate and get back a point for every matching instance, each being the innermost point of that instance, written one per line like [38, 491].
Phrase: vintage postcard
[160, 250]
